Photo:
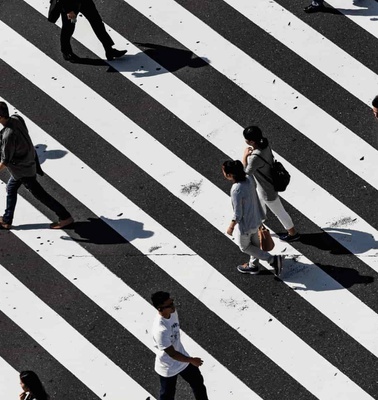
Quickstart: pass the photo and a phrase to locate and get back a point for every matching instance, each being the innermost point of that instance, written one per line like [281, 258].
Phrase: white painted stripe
[219, 130]
[204, 282]
[63, 342]
[313, 47]
[114, 296]
[364, 13]
[266, 87]
[9, 381]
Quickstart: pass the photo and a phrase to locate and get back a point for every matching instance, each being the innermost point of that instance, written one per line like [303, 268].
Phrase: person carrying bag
[270, 176]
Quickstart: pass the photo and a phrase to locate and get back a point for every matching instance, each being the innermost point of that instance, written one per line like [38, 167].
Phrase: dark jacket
[16, 149]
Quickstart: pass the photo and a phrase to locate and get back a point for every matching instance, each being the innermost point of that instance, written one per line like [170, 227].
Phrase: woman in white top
[248, 216]
[257, 161]
[32, 387]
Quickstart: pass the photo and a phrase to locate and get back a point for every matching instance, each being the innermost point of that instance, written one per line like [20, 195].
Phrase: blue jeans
[37, 191]
[192, 375]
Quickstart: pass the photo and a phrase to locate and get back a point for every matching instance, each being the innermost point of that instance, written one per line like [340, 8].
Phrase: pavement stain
[192, 188]
[343, 222]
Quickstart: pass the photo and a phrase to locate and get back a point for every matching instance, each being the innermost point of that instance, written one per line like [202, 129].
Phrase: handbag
[54, 11]
[266, 241]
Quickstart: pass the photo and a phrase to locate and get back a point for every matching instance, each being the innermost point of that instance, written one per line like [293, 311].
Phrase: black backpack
[280, 177]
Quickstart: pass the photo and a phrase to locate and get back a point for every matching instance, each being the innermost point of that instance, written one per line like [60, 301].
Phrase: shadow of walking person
[44, 154]
[169, 59]
[340, 241]
[104, 231]
[302, 277]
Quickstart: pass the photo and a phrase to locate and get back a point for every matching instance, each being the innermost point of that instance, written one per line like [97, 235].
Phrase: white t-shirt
[166, 333]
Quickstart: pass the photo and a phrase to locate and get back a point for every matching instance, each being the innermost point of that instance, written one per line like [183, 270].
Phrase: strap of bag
[266, 178]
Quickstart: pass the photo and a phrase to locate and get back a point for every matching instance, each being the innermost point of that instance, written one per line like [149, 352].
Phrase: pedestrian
[257, 161]
[375, 106]
[32, 387]
[171, 358]
[315, 6]
[70, 10]
[247, 218]
[19, 157]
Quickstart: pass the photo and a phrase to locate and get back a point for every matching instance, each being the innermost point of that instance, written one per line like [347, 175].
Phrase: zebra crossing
[134, 148]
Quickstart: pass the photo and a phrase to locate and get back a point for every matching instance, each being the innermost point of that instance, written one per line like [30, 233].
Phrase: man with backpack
[18, 155]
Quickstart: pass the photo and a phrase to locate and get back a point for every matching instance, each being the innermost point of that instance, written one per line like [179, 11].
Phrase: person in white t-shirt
[171, 358]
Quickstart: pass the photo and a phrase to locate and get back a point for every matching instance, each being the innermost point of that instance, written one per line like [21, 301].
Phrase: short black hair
[375, 102]
[253, 133]
[159, 298]
[4, 112]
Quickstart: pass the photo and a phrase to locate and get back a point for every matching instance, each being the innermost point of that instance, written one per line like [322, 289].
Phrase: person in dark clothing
[32, 387]
[18, 155]
[70, 9]
[315, 6]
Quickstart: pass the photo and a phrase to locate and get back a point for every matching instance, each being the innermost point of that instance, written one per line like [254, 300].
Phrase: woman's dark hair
[254, 133]
[31, 380]
[4, 112]
[375, 102]
[159, 298]
[236, 169]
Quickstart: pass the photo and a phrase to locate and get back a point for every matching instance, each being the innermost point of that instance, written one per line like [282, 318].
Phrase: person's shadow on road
[44, 154]
[105, 231]
[339, 240]
[160, 60]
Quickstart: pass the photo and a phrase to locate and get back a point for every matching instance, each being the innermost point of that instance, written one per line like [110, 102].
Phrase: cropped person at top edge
[257, 161]
[70, 10]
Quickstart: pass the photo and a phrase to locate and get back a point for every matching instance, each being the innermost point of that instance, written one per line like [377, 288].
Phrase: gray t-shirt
[261, 171]
[16, 148]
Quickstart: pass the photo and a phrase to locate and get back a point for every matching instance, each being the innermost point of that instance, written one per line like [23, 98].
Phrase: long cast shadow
[332, 238]
[100, 231]
[169, 58]
[342, 277]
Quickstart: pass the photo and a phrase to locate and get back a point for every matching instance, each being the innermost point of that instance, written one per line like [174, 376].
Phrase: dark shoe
[111, 54]
[277, 265]
[290, 238]
[4, 225]
[247, 269]
[71, 57]
[313, 9]
[62, 223]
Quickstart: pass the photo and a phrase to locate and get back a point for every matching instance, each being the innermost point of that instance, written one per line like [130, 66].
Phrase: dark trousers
[37, 191]
[89, 10]
[192, 375]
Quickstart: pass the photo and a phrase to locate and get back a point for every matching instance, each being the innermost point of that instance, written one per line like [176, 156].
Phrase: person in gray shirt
[247, 218]
[257, 161]
[18, 155]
